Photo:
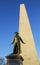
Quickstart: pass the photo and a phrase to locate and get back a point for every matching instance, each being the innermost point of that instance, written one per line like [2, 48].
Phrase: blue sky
[9, 19]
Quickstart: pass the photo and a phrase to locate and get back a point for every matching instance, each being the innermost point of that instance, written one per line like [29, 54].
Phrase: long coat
[17, 45]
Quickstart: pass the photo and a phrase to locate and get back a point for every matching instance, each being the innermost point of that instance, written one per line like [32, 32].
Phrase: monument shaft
[28, 50]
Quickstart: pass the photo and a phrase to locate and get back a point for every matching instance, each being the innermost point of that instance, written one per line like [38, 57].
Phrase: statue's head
[16, 33]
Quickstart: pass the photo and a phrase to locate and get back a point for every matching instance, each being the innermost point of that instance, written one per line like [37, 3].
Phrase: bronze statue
[16, 41]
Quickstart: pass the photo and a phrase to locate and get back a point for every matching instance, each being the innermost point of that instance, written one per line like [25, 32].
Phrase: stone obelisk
[28, 50]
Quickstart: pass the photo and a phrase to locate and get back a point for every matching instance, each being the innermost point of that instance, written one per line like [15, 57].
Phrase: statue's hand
[24, 43]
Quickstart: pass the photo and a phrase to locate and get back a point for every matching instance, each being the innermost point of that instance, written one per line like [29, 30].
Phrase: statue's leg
[19, 48]
[15, 48]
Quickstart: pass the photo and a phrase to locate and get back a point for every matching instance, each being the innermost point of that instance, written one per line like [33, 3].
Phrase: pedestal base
[14, 59]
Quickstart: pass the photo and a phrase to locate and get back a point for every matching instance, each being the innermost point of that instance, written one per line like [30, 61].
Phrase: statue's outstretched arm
[21, 40]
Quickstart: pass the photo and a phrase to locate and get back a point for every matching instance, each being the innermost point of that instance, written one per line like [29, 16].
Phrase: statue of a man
[16, 42]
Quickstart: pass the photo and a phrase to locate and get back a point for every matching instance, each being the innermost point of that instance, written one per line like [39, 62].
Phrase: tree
[2, 62]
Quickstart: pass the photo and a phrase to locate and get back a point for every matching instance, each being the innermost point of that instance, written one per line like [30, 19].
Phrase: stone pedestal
[14, 59]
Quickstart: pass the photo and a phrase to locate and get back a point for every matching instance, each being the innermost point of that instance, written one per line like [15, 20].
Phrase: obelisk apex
[28, 50]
